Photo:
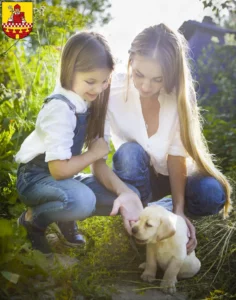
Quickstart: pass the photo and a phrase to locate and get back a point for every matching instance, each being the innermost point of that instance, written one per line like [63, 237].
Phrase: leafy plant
[220, 107]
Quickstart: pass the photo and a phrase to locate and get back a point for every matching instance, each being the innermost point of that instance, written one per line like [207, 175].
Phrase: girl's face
[147, 75]
[88, 85]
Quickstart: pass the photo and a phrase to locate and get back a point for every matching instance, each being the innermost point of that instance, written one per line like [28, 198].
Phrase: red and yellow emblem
[17, 19]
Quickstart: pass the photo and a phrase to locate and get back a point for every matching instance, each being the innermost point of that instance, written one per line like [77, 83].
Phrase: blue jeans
[62, 200]
[203, 195]
[52, 200]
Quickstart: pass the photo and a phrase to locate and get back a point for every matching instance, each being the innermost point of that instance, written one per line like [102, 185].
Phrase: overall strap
[62, 98]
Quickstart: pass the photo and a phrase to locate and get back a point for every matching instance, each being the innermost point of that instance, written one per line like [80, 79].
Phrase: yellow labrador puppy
[166, 237]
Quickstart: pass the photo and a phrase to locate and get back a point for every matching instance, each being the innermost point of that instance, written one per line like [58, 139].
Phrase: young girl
[72, 117]
[156, 131]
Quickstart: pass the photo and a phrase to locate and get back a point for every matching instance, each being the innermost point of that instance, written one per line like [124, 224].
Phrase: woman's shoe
[71, 233]
[35, 235]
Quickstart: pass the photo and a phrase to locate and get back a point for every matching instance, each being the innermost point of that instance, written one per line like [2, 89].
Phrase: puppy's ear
[165, 229]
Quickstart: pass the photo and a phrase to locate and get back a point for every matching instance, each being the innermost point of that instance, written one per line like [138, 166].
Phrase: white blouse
[125, 123]
[54, 129]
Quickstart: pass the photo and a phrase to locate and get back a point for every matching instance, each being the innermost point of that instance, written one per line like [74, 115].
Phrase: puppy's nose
[134, 229]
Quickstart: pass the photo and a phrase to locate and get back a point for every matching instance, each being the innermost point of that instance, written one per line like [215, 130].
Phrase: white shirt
[54, 129]
[126, 124]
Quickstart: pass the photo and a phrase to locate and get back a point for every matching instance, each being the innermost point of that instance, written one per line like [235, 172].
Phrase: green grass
[111, 258]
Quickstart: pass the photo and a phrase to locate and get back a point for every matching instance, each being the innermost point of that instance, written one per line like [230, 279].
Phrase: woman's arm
[178, 175]
[108, 178]
[127, 202]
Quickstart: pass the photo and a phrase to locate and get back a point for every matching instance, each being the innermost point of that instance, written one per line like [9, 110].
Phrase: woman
[156, 130]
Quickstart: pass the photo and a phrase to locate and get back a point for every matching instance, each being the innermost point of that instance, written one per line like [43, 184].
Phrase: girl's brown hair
[85, 52]
[170, 49]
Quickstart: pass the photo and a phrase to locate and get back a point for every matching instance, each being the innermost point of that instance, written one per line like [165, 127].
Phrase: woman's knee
[204, 195]
[131, 159]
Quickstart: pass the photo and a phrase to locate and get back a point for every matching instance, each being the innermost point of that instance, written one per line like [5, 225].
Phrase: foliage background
[28, 72]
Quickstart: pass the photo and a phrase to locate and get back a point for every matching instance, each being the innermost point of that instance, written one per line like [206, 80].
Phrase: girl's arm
[63, 169]
[55, 126]
[178, 175]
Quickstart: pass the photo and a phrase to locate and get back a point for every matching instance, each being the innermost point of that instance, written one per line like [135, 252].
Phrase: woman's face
[88, 85]
[147, 75]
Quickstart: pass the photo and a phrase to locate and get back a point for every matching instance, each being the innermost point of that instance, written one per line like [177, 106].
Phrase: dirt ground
[128, 293]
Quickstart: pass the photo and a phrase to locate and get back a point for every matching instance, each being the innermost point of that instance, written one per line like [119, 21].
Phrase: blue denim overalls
[56, 200]
[80, 130]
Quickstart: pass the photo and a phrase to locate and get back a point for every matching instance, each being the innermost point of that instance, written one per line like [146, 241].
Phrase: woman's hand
[99, 148]
[130, 207]
[192, 242]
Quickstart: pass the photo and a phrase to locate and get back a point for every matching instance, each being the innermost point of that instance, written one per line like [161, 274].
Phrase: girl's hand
[99, 148]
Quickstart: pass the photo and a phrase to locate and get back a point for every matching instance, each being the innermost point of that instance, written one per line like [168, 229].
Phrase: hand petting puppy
[130, 207]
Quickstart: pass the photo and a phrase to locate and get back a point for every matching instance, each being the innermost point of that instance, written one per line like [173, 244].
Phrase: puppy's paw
[147, 276]
[168, 286]
[142, 266]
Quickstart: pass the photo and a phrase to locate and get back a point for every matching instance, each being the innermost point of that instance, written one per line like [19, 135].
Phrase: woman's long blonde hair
[169, 48]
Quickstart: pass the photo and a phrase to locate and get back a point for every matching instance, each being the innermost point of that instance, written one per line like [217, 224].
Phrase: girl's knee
[204, 195]
[81, 203]
[86, 205]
